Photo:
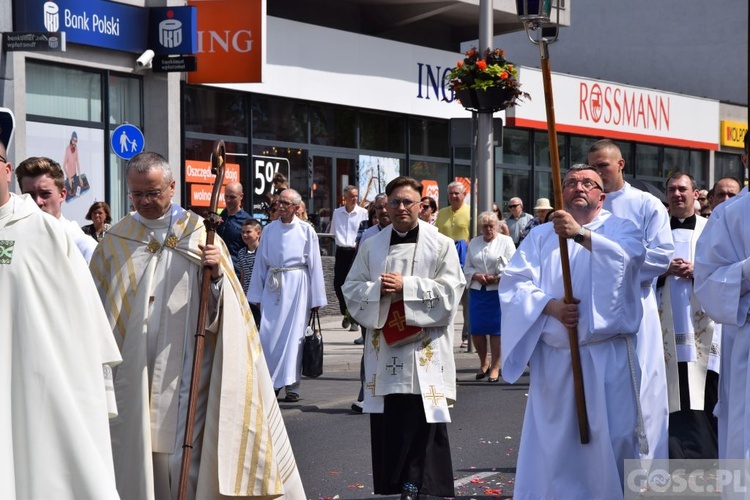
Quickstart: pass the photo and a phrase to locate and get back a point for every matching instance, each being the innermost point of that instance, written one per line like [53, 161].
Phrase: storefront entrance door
[330, 175]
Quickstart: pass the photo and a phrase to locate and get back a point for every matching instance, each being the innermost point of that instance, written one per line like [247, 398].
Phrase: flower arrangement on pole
[486, 84]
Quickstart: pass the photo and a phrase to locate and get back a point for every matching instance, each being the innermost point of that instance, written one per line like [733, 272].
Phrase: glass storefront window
[515, 183]
[727, 165]
[429, 137]
[698, 166]
[197, 194]
[541, 150]
[579, 148]
[381, 132]
[215, 112]
[542, 189]
[333, 125]
[674, 160]
[434, 176]
[124, 107]
[646, 160]
[63, 92]
[515, 150]
[279, 119]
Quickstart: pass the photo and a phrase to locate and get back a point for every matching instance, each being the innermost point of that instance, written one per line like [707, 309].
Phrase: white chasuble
[148, 275]
[689, 333]
[433, 284]
[54, 341]
[552, 462]
[649, 215]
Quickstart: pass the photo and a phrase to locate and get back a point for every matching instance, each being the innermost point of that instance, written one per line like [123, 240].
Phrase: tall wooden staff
[211, 222]
[533, 14]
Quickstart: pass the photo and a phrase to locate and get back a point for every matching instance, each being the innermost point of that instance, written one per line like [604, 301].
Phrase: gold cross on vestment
[398, 321]
[434, 396]
[371, 385]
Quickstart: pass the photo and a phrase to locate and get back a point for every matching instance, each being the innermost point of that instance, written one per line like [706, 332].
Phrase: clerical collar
[408, 237]
[688, 223]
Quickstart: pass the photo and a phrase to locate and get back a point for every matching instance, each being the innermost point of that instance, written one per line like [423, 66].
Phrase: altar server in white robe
[605, 256]
[722, 283]
[691, 344]
[148, 270]
[413, 272]
[287, 283]
[55, 348]
[650, 216]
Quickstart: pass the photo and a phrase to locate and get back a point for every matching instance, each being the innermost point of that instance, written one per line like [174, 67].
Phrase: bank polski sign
[88, 22]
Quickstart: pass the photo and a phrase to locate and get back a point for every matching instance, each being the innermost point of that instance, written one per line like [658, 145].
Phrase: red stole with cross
[395, 330]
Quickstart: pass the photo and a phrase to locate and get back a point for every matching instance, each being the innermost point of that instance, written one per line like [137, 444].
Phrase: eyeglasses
[3, 160]
[586, 184]
[488, 226]
[406, 203]
[514, 205]
[702, 198]
[285, 203]
[148, 195]
[424, 207]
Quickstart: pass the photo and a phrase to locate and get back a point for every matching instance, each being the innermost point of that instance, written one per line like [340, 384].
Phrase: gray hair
[459, 185]
[488, 217]
[147, 161]
[294, 195]
[349, 188]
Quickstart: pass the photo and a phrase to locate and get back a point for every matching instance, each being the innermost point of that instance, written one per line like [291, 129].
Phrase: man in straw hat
[541, 209]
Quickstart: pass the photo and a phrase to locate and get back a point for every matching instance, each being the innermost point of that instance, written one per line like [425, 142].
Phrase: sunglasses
[514, 205]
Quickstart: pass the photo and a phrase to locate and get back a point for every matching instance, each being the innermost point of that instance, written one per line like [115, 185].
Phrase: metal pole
[485, 178]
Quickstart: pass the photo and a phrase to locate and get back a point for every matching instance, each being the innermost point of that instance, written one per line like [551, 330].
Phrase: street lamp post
[534, 14]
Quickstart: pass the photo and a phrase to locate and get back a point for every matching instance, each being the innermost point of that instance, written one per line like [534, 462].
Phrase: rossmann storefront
[337, 108]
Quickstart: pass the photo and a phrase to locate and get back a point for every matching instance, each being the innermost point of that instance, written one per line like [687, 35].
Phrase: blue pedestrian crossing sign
[127, 141]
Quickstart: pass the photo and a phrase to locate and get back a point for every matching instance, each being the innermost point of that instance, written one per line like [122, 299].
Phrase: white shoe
[354, 327]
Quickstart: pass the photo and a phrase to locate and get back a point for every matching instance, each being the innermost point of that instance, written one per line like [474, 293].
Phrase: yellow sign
[733, 133]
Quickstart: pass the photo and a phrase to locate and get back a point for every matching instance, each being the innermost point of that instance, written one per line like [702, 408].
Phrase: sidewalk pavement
[340, 353]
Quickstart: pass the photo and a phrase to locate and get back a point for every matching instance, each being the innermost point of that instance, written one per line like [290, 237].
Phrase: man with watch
[606, 254]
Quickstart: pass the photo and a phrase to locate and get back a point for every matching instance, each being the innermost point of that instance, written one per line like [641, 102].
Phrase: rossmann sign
[605, 109]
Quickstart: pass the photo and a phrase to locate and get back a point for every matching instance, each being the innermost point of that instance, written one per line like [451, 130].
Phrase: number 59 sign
[264, 168]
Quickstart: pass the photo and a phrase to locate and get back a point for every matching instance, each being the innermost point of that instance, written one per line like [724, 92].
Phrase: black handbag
[312, 349]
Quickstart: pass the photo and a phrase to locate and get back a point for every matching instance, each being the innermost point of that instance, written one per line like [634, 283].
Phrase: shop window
[429, 137]
[699, 166]
[124, 107]
[542, 189]
[434, 178]
[727, 165]
[646, 161]
[674, 160]
[579, 149]
[541, 150]
[333, 126]
[63, 92]
[515, 150]
[381, 132]
[215, 112]
[515, 183]
[279, 119]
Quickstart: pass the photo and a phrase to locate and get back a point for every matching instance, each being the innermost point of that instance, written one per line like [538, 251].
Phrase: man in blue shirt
[232, 218]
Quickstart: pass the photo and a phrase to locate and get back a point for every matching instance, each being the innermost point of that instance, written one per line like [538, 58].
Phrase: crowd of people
[658, 307]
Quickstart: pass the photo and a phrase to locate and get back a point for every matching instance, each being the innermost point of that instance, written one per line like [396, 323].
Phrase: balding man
[725, 188]
[517, 220]
[650, 216]
[232, 219]
[287, 283]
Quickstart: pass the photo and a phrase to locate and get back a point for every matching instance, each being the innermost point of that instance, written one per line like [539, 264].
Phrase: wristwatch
[578, 238]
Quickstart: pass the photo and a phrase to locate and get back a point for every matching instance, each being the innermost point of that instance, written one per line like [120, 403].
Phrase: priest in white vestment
[691, 344]
[56, 351]
[148, 269]
[408, 275]
[287, 283]
[649, 215]
[722, 284]
[605, 256]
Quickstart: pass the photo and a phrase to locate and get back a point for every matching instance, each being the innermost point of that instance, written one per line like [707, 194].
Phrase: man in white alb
[648, 213]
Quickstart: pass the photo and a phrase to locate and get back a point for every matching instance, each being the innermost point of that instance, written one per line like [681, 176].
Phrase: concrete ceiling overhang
[430, 23]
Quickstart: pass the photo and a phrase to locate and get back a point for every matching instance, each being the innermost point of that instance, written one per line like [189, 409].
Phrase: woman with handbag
[486, 257]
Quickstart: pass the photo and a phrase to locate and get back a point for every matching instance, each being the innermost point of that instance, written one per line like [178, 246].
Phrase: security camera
[144, 61]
